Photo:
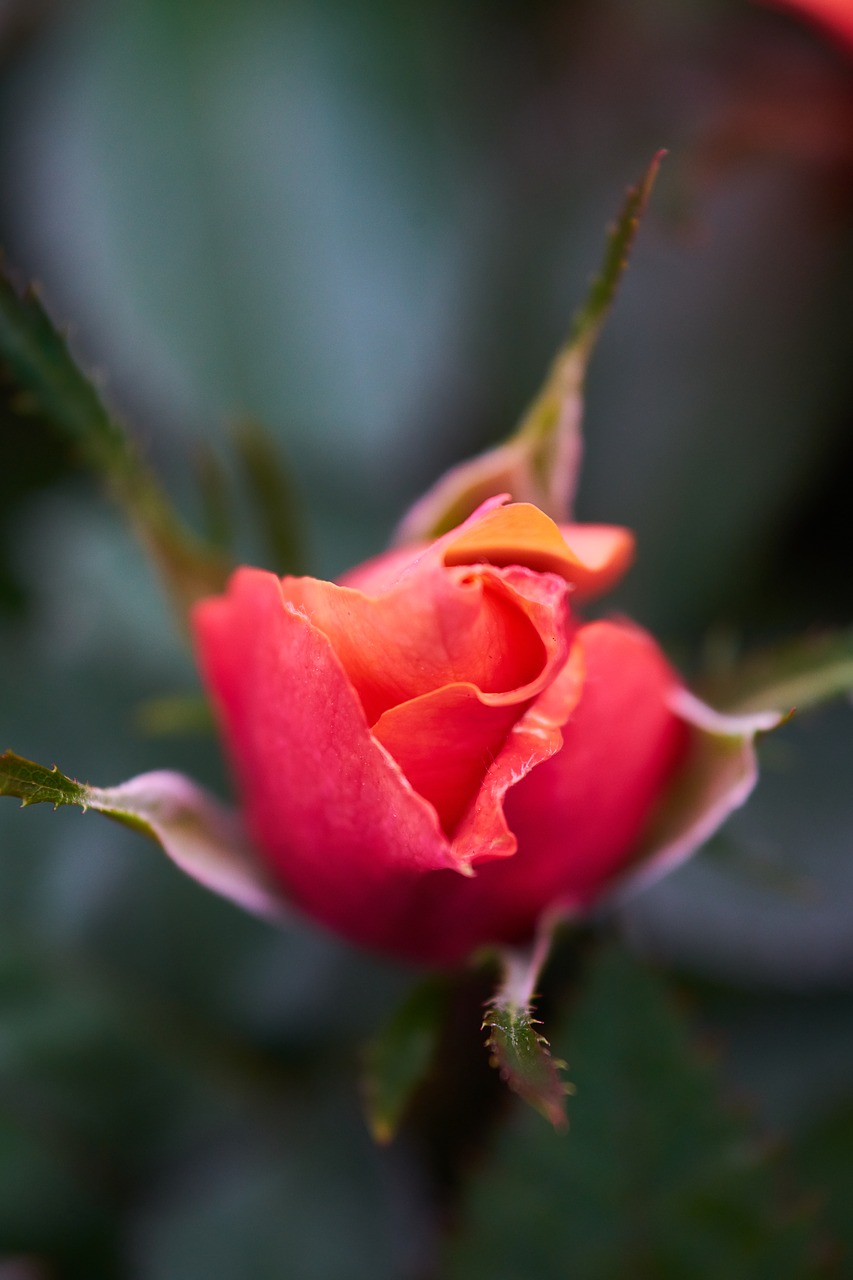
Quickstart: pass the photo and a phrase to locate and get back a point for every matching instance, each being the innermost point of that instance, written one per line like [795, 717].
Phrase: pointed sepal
[517, 1049]
[796, 674]
[201, 836]
[540, 461]
[718, 775]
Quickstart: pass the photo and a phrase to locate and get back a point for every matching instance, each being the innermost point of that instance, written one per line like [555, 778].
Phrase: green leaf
[37, 356]
[823, 1158]
[398, 1060]
[795, 675]
[657, 1181]
[199, 834]
[518, 1050]
[540, 461]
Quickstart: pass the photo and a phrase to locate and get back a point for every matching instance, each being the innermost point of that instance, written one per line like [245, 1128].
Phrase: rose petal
[535, 738]
[590, 557]
[446, 738]
[333, 814]
[444, 742]
[577, 816]
[603, 552]
[437, 627]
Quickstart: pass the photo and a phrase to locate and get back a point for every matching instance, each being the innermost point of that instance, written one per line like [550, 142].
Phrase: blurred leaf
[37, 356]
[174, 714]
[657, 1181]
[217, 516]
[301, 1196]
[797, 674]
[399, 1057]
[823, 1158]
[272, 496]
[540, 462]
[202, 837]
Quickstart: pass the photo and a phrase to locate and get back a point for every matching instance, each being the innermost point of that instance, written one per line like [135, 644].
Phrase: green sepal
[523, 1057]
[520, 1052]
[793, 675]
[540, 461]
[37, 356]
[660, 1179]
[201, 836]
[35, 784]
[398, 1059]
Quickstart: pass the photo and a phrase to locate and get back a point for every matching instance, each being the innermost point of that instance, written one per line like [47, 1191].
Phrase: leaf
[199, 834]
[658, 1180]
[518, 1050]
[797, 674]
[540, 461]
[398, 1060]
[37, 356]
[174, 714]
[823, 1157]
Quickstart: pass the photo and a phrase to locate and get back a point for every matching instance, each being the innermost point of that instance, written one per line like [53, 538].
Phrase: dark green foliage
[399, 1057]
[37, 356]
[655, 1180]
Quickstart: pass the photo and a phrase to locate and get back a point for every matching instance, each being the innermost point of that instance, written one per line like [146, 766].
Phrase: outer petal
[331, 812]
[579, 816]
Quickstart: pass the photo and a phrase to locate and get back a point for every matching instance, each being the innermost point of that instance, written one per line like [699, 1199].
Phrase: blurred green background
[366, 225]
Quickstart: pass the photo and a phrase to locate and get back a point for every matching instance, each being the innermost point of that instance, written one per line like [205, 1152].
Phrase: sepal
[201, 836]
[540, 462]
[717, 777]
[517, 1049]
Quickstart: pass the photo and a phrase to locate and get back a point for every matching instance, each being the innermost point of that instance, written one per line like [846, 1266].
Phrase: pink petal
[579, 815]
[332, 814]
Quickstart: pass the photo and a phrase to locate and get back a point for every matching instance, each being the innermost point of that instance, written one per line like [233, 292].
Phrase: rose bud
[437, 753]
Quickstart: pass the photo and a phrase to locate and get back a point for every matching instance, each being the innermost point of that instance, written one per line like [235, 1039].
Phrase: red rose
[437, 753]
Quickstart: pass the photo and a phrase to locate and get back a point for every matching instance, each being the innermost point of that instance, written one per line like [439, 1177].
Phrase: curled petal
[576, 814]
[522, 534]
[435, 628]
[537, 736]
[603, 553]
[591, 558]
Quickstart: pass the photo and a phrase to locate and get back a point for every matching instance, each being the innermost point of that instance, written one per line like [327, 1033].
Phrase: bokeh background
[365, 226]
